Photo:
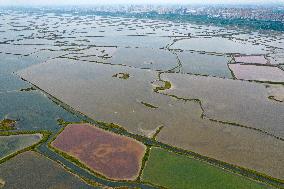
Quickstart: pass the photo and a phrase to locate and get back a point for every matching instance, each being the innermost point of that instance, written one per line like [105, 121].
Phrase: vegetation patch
[166, 86]
[64, 123]
[122, 75]
[7, 124]
[28, 89]
[111, 126]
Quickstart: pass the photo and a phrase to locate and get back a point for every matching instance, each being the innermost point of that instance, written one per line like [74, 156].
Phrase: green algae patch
[170, 170]
[166, 86]
[122, 75]
[61, 122]
[7, 124]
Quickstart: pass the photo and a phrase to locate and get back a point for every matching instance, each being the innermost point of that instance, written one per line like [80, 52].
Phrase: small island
[7, 124]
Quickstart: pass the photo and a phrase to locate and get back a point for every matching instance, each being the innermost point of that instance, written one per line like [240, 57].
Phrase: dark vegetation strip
[28, 89]
[144, 160]
[239, 125]
[157, 132]
[179, 66]
[149, 105]
[265, 82]
[273, 98]
[232, 73]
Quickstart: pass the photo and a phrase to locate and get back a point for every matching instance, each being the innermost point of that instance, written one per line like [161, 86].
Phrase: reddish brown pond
[114, 156]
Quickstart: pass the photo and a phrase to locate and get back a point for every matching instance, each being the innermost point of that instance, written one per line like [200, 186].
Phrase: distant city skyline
[100, 2]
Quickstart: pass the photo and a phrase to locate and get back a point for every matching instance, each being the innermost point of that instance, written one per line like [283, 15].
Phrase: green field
[176, 171]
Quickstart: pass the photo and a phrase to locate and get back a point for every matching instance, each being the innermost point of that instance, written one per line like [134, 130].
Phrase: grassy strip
[157, 132]
[144, 160]
[111, 126]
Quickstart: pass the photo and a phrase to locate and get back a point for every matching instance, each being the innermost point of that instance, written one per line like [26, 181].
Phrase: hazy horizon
[97, 2]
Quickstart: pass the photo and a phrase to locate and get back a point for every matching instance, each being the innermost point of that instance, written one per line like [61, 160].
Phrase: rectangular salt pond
[258, 73]
[251, 59]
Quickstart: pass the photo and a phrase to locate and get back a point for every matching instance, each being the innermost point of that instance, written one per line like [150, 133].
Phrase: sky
[82, 2]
